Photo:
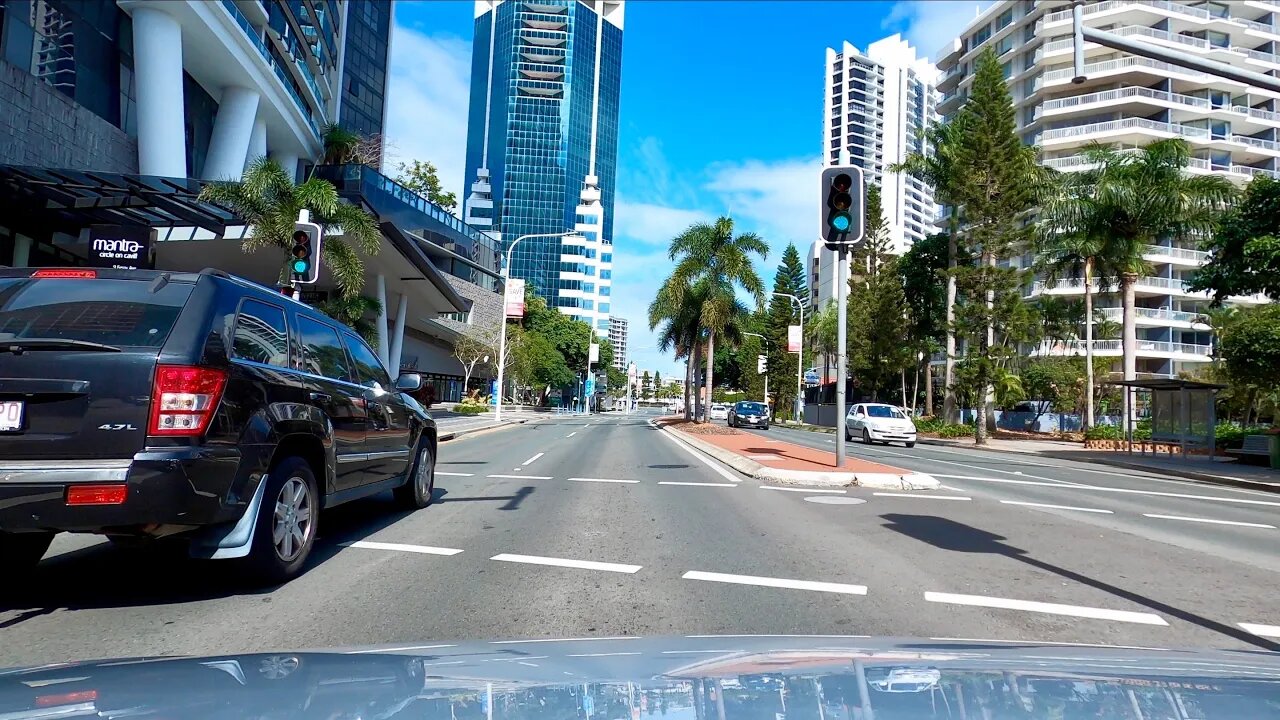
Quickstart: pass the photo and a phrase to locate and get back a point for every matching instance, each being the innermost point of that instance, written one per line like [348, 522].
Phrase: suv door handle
[319, 396]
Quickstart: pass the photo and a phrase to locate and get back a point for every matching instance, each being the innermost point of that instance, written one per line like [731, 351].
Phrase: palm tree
[1075, 255]
[1128, 200]
[267, 198]
[710, 254]
[940, 170]
[677, 311]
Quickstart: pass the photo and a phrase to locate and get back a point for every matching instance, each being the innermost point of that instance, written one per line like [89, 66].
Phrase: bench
[1254, 445]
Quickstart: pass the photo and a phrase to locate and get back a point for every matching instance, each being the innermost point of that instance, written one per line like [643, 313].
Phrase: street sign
[515, 298]
[593, 353]
[793, 338]
[811, 377]
[125, 247]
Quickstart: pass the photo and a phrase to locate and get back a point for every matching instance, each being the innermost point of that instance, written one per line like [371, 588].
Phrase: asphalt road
[573, 527]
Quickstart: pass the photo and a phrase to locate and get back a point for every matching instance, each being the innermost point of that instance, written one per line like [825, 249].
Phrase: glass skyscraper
[550, 102]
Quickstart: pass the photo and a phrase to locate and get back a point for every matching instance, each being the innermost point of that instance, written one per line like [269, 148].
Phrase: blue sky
[721, 114]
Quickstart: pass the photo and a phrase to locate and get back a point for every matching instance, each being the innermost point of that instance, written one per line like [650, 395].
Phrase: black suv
[149, 404]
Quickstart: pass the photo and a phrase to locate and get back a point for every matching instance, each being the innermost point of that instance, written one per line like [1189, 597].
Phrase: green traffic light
[300, 266]
[841, 222]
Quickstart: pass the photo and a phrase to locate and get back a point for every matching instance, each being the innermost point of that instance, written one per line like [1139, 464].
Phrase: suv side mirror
[408, 382]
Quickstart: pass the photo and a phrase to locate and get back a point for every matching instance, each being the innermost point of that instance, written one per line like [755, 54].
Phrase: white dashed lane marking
[1047, 608]
[1055, 507]
[1208, 520]
[522, 477]
[776, 582]
[1271, 631]
[567, 562]
[603, 480]
[696, 484]
[922, 496]
[530, 460]
[453, 474]
[400, 547]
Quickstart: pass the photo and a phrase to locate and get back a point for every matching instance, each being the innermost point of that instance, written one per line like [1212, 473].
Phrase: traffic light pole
[842, 311]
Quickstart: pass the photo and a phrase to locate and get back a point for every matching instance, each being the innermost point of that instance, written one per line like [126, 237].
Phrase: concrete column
[397, 337]
[384, 350]
[257, 142]
[157, 54]
[288, 161]
[21, 250]
[232, 130]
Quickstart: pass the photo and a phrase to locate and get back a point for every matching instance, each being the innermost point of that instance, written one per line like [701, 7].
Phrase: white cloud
[930, 25]
[778, 200]
[652, 223]
[428, 89]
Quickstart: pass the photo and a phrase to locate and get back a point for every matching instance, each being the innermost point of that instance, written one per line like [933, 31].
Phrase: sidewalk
[1219, 469]
[783, 462]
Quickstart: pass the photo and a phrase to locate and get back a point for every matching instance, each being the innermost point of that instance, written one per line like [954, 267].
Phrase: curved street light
[799, 356]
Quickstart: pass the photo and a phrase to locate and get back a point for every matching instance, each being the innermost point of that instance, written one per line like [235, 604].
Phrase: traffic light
[304, 258]
[841, 208]
[762, 364]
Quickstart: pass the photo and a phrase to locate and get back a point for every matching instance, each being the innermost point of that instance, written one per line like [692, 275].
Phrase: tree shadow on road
[947, 534]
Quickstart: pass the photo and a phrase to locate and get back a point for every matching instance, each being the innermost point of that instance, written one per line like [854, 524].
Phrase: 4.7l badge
[117, 426]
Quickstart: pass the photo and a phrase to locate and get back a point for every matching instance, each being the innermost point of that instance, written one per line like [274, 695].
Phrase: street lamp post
[799, 357]
[502, 333]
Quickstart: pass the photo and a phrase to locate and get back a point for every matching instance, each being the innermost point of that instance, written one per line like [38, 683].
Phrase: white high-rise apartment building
[877, 106]
[618, 339]
[1129, 101]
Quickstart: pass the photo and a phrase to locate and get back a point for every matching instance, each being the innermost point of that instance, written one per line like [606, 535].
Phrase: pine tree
[877, 328]
[1001, 182]
[782, 313]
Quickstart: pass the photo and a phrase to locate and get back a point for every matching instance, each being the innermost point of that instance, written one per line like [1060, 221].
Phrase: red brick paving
[789, 456]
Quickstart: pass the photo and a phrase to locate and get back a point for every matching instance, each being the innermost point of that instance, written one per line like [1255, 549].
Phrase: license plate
[11, 415]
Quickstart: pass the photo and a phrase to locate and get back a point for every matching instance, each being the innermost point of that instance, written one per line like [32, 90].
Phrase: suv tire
[418, 488]
[290, 507]
[20, 552]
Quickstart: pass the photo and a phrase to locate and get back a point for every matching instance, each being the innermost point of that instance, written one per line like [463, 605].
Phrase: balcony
[1116, 347]
[1158, 285]
[1125, 124]
[269, 58]
[1081, 162]
[1161, 253]
[1154, 316]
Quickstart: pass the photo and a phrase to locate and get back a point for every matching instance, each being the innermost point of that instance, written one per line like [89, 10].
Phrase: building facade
[877, 107]
[1127, 102]
[618, 339]
[542, 143]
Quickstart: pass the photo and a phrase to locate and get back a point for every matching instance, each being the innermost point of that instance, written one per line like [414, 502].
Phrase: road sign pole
[842, 298]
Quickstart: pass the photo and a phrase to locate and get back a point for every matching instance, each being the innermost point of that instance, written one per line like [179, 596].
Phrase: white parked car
[879, 422]
[719, 412]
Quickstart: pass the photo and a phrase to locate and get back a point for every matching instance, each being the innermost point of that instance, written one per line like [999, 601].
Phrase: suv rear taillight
[184, 398]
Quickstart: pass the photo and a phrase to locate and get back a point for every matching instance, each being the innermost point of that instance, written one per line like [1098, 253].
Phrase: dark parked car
[750, 414]
[148, 404]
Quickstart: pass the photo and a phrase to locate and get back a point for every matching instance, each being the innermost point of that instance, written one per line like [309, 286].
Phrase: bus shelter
[1182, 412]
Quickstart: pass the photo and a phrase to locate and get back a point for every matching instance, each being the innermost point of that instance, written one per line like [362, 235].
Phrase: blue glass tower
[530, 140]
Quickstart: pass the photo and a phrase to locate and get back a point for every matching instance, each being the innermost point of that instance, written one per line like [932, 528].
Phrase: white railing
[1121, 64]
[1177, 252]
[1256, 142]
[1251, 171]
[1171, 97]
[1117, 314]
[1109, 346]
[1141, 282]
[1125, 124]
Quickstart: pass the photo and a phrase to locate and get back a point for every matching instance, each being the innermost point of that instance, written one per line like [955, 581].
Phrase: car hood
[682, 678]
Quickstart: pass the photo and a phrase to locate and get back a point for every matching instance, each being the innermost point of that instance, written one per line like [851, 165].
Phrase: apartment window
[1218, 39]
[1005, 18]
[983, 35]
[1213, 8]
[1029, 32]
[1007, 70]
[1004, 44]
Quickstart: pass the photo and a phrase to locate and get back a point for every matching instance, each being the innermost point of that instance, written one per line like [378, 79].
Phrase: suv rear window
[124, 313]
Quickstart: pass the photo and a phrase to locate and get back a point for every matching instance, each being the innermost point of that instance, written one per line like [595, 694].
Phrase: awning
[1166, 384]
[84, 198]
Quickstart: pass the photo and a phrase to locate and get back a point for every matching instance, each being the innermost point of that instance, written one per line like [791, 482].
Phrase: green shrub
[1103, 432]
[955, 431]
[1229, 434]
[471, 409]
[929, 423]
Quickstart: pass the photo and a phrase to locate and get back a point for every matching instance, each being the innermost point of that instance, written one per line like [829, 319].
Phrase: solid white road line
[452, 474]
[397, 649]
[1272, 631]
[719, 470]
[547, 640]
[522, 477]
[776, 582]
[575, 432]
[1049, 608]
[1055, 507]
[566, 562]
[1207, 520]
[612, 654]
[764, 457]
[1100, 488]
[603, 480]
[422, 549]
[696, 484]
[925, 497]
[530, 460]
[803, 490]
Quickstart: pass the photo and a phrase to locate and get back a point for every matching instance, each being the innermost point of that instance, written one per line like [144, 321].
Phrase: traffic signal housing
[840, 209]
[762, 364]
[304, 258]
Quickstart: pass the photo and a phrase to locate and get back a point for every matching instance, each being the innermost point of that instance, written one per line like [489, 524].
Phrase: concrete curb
[455, 434]
[751, 468]
[1176, 472]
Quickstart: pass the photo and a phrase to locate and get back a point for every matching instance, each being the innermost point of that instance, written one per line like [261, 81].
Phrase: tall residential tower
[542, 143]
[877, 107]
